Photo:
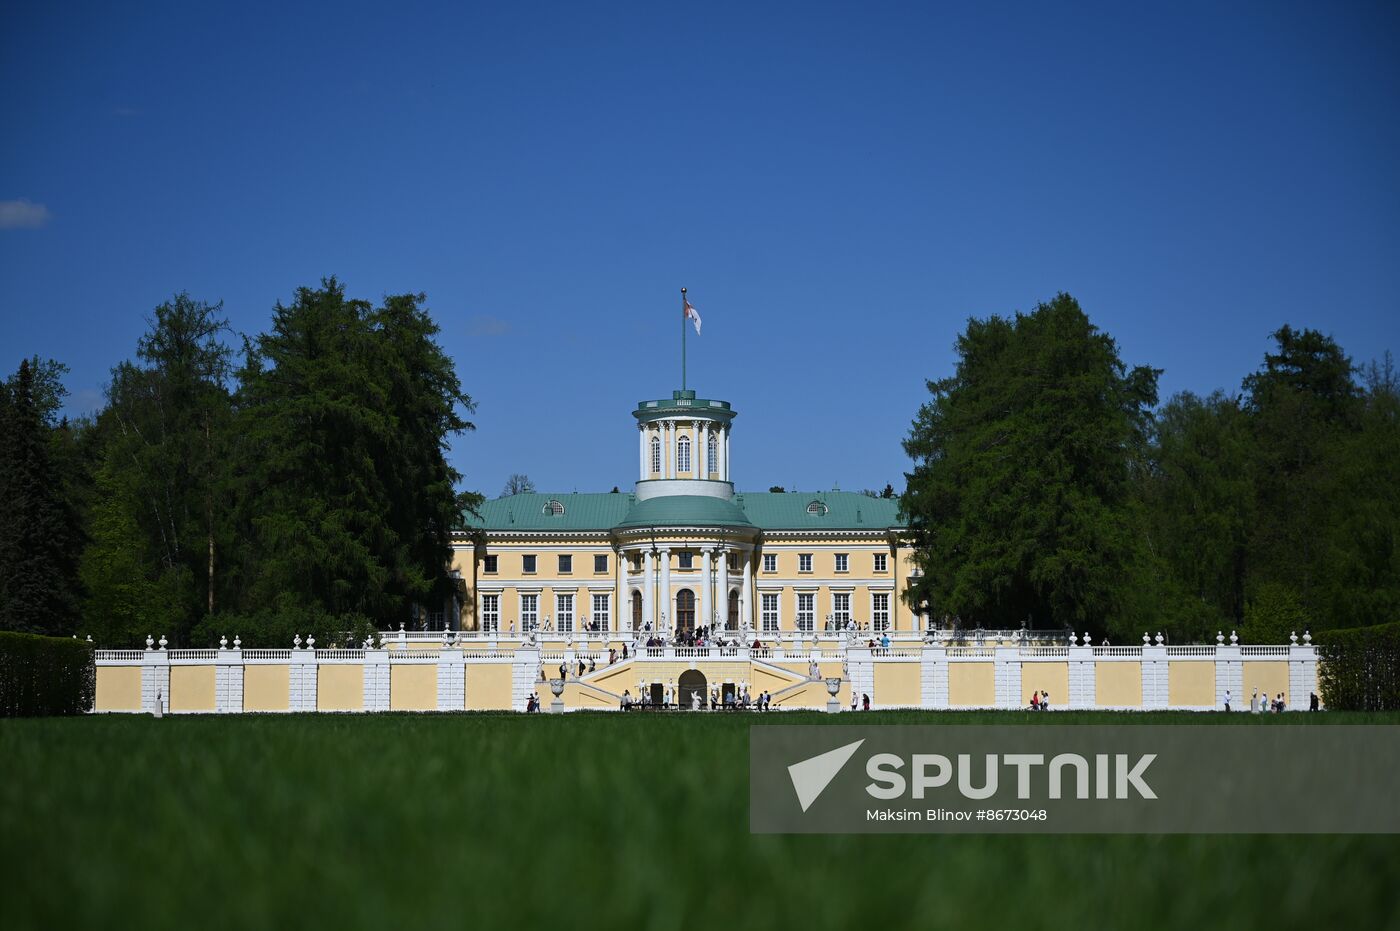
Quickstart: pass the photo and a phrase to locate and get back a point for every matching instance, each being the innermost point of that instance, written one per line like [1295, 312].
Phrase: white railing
[1045, 651]
[193, 654]
[267, 654]
[488, 655]
[972, 651]
[419, 656]
[1191, 651]
[340, 654]
[117, 656]
[1117, 651]
[1263, 651]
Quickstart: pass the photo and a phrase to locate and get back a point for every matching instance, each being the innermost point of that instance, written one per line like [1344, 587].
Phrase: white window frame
[769, 613]
[770, 562]
[656, 454]
[490, 564]
[566, 563]
[685, 559]
[490, 612]
[806, 616]
[602, 610]
[563, 612]
[712, 455]
[840, 609]
[804, 562]
[879, 618]
[604, 558]
[843, 562]
[529, 610]
[683, 454]
[881, 562]
[529, 563]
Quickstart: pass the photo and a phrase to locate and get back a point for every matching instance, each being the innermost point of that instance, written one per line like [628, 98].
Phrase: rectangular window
[683, 454]
[527, 563]
[685, 559]
[843, 562]
[769, 612]
[806, 611]
[490, 612]
[841, 608]
[804, 562]
[880, 562]
[655, 455]
[600, 563]
[529, 612]
[602, 613]
[880, 610]
[564, 613]
[566, 564]
[712, 456]
[489, 564]
[770, 562]
[435, 620]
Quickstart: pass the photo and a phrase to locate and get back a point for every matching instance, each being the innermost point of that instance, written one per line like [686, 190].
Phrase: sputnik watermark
[1051, 778]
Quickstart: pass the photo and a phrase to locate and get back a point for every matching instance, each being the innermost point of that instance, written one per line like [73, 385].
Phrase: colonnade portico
[711, 582]
[668, 433]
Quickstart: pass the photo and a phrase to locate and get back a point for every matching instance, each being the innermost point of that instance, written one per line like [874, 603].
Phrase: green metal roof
[685, 510]
[683, 403]
[843, 510]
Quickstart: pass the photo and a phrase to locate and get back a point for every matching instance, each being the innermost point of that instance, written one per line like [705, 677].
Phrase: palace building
[684, 549]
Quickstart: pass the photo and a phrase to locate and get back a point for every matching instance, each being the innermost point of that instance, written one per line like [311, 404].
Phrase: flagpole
[682, 339]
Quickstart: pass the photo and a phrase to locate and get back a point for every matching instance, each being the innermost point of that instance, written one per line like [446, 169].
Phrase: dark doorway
[658, 693]
[636, 611]
[733, 610]
[685, 611]
[692, 682]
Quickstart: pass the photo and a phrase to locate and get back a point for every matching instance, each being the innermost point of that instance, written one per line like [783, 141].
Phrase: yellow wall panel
[1269, 678]
[118, 688]
[1190, 684]
[897, 684]
[191, 688]
[340, 688]
[489, 686]
[266, 688]
[971, 684]
[413, 687]
[1051, 678]
[1118, 684]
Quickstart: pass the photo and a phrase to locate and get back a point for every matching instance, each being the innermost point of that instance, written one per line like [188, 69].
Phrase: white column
[723, 594]
[666, 585]
[746, 598]
[724, 452]
[668, 458]
[695, 450]
[642, 450]
[705, 585]
[705, 448]
[648, 588]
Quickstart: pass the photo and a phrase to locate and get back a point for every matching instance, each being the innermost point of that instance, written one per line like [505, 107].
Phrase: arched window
[656, 454]
[554, 508]
[683, 454]
[817, 508]
[712, 454]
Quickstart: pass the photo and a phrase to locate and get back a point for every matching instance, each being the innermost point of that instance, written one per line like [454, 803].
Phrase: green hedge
[1360, 668]
[45, 676]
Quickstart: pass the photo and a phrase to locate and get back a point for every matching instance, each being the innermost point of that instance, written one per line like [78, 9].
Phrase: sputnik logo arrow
[811, 776]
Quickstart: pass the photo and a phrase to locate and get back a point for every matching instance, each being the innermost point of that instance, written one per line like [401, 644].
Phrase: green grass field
[637, 821]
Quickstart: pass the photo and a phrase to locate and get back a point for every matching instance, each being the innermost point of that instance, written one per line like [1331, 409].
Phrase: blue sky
[839, 186]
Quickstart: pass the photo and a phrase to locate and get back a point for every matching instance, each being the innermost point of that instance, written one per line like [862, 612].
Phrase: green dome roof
[685, 511]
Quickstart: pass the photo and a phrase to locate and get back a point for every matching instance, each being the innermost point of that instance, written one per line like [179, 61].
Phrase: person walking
[1227, 701]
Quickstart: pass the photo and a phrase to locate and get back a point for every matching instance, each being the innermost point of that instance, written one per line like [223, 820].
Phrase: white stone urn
[556, 686]
[833, 685]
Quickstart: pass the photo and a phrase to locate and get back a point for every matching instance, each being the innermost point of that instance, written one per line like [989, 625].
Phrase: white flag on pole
[693, 314]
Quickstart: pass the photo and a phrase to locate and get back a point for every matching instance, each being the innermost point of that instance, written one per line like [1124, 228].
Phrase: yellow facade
[267, 688]
[413, 687]
[118, 688]
[1118, 684]
[1049, 679]
[897, 684]
[489, 687]
[340, 688]
[971, 685]
[1190, 684]
[1269, 678]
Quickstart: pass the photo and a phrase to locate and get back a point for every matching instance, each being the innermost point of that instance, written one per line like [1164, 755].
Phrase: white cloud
[22, 214]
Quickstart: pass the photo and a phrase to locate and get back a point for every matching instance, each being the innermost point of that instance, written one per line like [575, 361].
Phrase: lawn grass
[629, 821]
